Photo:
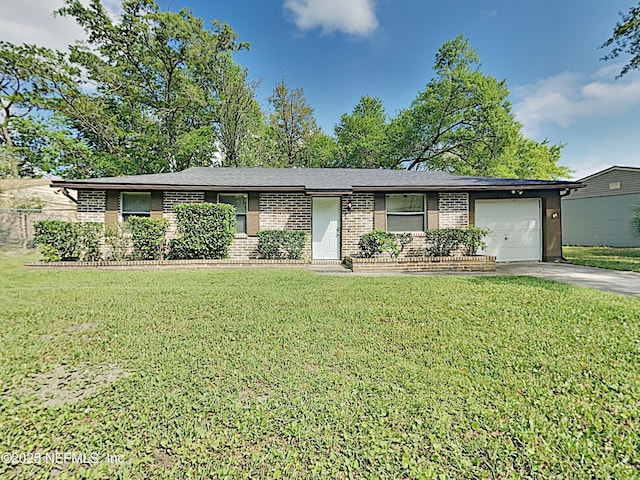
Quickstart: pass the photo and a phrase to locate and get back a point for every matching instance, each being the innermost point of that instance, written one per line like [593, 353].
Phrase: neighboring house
[600, 213]
[26, 200]
[337, 206]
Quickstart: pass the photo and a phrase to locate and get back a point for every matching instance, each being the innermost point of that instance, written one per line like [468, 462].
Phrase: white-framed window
[135, 204]
[405, 212]
[240, 202]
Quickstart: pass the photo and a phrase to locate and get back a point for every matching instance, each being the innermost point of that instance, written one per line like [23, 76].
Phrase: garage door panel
[515, 226]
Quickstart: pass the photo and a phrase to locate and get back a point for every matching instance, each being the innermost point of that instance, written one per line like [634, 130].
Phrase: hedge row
[204, 231]
[285, 244]
[60, 240]
[440, 242]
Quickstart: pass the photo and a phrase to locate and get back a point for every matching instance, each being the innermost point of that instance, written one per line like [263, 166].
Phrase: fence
[16, 224]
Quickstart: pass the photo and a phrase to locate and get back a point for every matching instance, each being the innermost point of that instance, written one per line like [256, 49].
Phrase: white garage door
[516, 230]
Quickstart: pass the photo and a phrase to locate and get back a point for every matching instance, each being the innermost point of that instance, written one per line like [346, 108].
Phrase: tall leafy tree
[239, 119]
[321, 150]
[626, 40]
[293, 125]
[458, 121]
[151, 99]
[362, 136]
[462, 123]
[30, 78]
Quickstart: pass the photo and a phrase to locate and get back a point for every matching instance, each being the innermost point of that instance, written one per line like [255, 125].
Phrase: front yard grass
[604, 257]
[288, 374]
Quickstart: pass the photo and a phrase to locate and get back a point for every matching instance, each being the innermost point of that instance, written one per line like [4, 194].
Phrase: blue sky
[340, 50]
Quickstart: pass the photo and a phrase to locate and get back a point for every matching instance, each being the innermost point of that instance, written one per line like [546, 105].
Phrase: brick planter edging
[204, 263]
[479, 263]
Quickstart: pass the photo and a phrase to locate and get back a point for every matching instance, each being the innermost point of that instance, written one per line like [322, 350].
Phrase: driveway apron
[622, 283]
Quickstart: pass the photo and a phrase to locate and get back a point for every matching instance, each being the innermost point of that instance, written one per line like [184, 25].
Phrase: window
[135, 204]
[405, 213]
[240, 203]
[614, 186]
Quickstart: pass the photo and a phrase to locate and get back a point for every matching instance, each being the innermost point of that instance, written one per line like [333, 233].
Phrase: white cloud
[567, 98]
[28, 21]
[354, 17]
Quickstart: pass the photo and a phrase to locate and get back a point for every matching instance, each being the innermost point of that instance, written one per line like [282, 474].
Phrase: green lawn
[289, 374]
[604, 257]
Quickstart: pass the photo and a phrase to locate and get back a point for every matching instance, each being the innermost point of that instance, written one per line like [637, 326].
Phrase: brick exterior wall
[454, 210]
[171, 199]
[356, 222]
[286, 211]
[292, 211]
[91, 205]
[244, 247]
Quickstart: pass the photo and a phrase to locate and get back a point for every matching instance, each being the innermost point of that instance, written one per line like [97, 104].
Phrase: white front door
[516, 228]
[325, 228]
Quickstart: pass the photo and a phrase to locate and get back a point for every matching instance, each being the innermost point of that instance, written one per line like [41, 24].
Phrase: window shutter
[433, 211]
[380, 212]
[112, 212]
[253, 214]
[156, 204]
[211, 197]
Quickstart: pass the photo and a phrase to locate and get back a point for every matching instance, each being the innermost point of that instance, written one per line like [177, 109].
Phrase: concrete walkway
[622, 283]
[615, 281]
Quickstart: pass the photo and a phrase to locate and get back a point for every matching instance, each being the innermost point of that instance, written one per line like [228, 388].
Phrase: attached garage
[516, 228]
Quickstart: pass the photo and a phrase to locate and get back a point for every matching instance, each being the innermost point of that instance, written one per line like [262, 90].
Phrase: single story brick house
[337, 206]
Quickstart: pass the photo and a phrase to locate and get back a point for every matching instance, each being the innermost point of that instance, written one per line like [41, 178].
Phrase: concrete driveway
[622, 283]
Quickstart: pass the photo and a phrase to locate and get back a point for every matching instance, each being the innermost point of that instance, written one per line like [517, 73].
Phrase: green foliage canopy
[156, 79]
[462, 123]
[626, 40]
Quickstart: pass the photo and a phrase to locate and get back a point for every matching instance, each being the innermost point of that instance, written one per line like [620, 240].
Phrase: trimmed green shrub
[472, 239]
[148, 237]
[56, 239]
[205, 230]
[293, 244]
[116, 242]
[59, 240]
[442, 241]
[371, 243]
[89, 235]
[378, 241]
[285, 244]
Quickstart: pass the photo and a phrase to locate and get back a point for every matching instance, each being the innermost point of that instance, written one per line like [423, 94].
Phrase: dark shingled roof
[310, 180]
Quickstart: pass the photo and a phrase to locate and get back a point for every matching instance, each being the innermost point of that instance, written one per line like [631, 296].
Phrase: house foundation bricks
[91, 205]
[357, 221]
[244, 247]
[454, 210]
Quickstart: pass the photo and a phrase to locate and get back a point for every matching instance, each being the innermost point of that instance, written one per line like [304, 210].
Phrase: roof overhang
[470, 188]
[80, 185]
[77, 185]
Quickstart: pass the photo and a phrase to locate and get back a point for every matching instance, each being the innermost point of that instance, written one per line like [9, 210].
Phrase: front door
[325, 228]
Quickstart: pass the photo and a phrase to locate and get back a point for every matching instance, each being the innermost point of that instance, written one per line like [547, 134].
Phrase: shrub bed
[148, 237]
[441, 242]
[378, 241]
[59, 240]
[281, 244]
[205, 230]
